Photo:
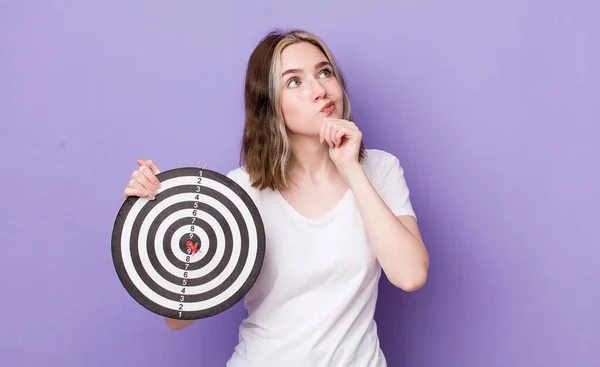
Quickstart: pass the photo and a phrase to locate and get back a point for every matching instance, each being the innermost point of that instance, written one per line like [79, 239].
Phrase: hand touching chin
[343, 138]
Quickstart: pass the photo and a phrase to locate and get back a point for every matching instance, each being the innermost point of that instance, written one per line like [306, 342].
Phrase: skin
[324, 166]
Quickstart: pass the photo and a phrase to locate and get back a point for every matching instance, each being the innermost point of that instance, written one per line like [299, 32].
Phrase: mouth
[328, 108]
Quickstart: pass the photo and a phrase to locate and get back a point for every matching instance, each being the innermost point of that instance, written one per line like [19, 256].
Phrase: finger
[343, 131]
[322, 131]
[341, 122]
[145, 192]
[147, 172]
[153, 167]
[339, 135]
[335, 134]
[136, 192]
[349, 125]
[150, 163]
[135, 185]
[134, 188]
[328, 134]
[140, 178]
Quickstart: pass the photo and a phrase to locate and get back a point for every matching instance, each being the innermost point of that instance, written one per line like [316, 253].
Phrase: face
[309, 90]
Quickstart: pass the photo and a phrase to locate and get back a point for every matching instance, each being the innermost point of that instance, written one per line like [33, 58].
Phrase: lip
[328, 108]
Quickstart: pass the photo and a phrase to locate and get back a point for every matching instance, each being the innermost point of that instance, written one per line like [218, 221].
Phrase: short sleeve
[233, 175]
[391, 183]
[241, 177]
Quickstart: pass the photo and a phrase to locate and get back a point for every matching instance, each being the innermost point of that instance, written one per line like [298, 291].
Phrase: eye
[326, 73]
[291, 82]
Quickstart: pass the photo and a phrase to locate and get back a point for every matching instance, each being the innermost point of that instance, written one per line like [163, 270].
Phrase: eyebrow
[293, 71]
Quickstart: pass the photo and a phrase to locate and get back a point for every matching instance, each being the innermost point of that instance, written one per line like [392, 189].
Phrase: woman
[335, 214]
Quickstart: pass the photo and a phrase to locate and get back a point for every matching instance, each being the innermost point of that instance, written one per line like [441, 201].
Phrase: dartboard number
[191, 235]
[199, 182]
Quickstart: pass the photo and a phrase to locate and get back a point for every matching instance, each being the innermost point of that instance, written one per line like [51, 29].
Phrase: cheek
[291, 107]
[298, 116]
[337, 94]
[335, 89]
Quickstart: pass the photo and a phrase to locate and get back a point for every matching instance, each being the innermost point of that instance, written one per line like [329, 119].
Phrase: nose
[319, 92]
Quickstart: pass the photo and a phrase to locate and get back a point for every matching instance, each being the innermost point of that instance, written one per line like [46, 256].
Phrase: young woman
[335, 214]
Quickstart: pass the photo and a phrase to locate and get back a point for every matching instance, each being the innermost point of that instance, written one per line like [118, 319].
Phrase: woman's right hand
[144, 182]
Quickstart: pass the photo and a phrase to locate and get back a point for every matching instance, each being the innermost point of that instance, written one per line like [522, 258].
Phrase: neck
[310, 159]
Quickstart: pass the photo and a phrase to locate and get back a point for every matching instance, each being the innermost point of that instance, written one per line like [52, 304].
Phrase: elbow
[174, 327]
[410, 286]
[412, 282]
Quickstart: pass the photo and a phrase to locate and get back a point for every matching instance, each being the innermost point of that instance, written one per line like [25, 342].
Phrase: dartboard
[192, 252]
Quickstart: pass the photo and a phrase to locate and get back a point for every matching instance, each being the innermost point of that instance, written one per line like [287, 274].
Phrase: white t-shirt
[313, 302]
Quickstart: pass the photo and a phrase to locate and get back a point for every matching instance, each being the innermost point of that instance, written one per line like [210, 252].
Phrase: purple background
[493, 110]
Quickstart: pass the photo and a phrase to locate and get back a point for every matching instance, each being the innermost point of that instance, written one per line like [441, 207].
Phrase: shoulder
[378, 156]
[240, 176]
[387, 176]
[377, 163]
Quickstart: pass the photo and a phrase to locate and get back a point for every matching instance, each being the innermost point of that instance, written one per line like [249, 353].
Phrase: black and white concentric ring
[217, 217]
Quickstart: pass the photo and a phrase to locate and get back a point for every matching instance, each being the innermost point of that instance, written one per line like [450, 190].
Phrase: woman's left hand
[343, 138]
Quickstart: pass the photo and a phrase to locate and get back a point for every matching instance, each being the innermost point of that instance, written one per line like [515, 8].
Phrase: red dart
[192, 246]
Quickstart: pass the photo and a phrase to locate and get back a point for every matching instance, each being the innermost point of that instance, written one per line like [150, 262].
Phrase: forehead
[301, 55]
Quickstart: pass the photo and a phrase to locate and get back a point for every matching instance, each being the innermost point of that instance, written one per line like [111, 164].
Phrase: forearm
[400, 252]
